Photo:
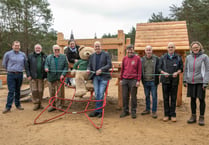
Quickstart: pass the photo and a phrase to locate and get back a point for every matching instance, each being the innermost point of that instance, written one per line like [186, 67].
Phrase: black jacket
[31, 66]
[156, 65]
[71, 56]
[170, 66]
[105, 64]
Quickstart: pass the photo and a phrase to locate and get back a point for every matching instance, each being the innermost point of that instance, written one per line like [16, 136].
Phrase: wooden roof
[159, 34]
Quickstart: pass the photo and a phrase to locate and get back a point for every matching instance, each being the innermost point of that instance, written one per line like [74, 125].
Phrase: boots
[192, 119]
[201, 120]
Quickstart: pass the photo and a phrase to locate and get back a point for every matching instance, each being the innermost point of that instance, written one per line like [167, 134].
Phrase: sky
[89, 17]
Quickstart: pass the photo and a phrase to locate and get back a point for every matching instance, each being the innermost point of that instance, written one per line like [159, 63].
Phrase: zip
[193, 68]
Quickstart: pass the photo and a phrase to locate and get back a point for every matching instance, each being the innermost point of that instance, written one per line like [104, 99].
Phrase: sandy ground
[17, 128]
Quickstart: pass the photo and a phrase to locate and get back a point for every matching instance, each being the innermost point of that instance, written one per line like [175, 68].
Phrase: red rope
[52, 99]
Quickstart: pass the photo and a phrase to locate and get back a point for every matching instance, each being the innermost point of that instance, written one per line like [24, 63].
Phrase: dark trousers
[14, 82]
[202, 105]
[129, 89]
[169, 99]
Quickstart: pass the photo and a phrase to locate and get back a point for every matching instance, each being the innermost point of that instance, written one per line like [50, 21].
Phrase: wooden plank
[138, 37]
[161, 40]
[159, 44]
[183, 48]
[162, 23]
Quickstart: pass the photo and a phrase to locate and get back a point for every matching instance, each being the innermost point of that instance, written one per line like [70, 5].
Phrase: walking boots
[192, 119]
[201, 120]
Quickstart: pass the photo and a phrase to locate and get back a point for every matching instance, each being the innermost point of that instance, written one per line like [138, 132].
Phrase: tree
[159, 18]
[24, 20]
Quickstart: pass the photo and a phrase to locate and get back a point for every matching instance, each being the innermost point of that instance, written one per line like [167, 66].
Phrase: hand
[185, 85]
[166, 74]
[137, 83]
[175, 74]
[29, 78]
[88, 71]
[61, 77]
[75, 60]
[46, 69]
[98, 72]
[121, 82]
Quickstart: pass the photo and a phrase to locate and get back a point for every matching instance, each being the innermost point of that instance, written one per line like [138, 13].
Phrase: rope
[52, 99]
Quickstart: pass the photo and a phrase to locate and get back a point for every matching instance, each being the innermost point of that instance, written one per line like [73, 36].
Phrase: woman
[196, 78]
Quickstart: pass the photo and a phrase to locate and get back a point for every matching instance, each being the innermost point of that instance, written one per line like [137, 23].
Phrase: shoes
[192, 119]
[51, 109]
[154, 115]
[201, 120]
[166, 118]
[145, 112]
[20, 108]
[173, 119]
[36, 107]
[6, 110]
[100, 115]
[133, 115]
[124, 114]
[41, 107]
[94, 114]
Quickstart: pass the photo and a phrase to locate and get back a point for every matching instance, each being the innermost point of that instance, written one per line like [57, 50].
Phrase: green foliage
[195, 12]
[27, 21]
[159, 18]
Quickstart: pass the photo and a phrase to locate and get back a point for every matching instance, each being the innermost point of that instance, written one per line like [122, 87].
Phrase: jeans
[14, 82]
[99, 89]
[149, 86]
[129, 88]
[169, 95]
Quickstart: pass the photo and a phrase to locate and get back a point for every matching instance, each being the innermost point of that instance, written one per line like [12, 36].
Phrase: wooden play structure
[158, 35]
[155, 34]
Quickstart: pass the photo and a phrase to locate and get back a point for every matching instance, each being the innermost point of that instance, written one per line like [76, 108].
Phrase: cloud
[87, 17]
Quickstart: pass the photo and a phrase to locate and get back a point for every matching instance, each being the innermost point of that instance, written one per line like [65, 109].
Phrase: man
[150, 80]
[170, 66]
[72, 54]
[14, 62]
[56, 67]
[130, 78]
[99, 63]
[36, 74]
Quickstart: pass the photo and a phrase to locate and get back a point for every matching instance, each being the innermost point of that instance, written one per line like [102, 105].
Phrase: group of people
[54, 67]
[149, 69]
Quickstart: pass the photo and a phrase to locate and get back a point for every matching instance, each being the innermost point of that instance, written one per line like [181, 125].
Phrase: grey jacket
[105, 64]
[196, 69]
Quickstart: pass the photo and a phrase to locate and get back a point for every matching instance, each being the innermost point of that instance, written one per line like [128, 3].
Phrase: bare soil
[17, 128]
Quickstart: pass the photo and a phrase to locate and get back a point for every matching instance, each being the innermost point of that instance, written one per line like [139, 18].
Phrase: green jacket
[81, 65]
[62, 68]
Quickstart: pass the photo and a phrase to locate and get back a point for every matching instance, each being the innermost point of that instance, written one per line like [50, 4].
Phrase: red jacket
[131, 68]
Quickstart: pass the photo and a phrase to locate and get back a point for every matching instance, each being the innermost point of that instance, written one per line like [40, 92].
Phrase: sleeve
[160, 66]
[206, 76]
[89, 66]
[185, 71]
[65, 67]
[47, 62]
[180, 64]
[75, 66]
[5, 60]
[27, 66]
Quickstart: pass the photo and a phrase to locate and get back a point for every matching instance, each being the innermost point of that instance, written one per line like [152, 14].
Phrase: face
[130, 52]
[195, 48]
[38, 49]
[148, 51]
[97, 48]
[72, 44]
[56, 51]
[16, 46]
[171, 49]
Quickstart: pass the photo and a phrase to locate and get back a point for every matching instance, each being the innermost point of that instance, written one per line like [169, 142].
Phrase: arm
[139, 70]
[46, 66]
[185, 73]
[180, 68]
[5, 60]
[206, 76]
[108, 65]
[27, 66]
[65, 70]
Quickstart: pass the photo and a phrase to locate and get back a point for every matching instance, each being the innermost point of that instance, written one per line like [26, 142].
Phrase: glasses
[57, 50]
[170, 47]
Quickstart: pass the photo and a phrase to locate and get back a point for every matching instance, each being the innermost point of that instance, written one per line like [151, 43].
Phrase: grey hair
[148, 46]
[54, 46]
[171, 43]
[97, 42]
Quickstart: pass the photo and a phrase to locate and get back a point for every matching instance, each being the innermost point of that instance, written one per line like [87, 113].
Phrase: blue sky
[87, 17]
